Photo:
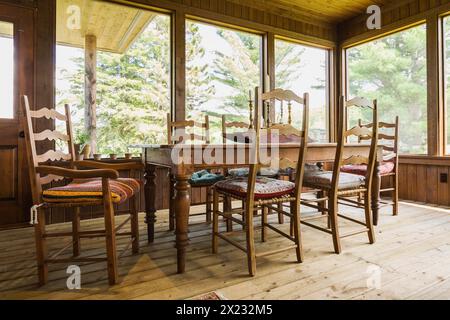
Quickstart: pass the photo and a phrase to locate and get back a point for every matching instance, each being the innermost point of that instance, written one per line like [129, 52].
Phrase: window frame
[345, 79]
[222, 25]
[329, 74]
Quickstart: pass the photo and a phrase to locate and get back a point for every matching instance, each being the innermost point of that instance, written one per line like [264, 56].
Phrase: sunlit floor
[410, 260]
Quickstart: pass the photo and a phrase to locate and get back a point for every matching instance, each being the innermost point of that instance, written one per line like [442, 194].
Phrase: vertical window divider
[179, 65]
[435, 85]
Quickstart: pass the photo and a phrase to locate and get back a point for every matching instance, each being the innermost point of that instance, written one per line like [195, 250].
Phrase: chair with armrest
[99, 186]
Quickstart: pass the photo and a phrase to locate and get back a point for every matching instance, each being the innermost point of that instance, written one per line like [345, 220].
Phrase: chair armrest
[111, 166]
[78, 174]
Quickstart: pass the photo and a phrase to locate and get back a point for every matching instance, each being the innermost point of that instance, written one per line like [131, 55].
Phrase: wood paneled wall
[422, 183]
[394, 16]
[237, 13]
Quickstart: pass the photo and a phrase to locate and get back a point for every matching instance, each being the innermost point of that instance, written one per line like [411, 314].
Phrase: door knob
[21, 134]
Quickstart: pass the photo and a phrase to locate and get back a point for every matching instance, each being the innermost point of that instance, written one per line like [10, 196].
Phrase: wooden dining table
[184, 161]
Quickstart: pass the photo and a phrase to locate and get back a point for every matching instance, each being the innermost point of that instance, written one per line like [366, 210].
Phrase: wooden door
[16, 79]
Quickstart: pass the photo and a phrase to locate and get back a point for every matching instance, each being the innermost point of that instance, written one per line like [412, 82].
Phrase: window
[393, 70]
[222, 65]
[122, 54]
[447, 80]
[304, 69]
[6, 70]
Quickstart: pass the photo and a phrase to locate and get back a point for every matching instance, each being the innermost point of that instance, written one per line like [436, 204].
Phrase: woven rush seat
[86, 190]
[384, 169]
[205, 177]
[323, 179]
[265, 188]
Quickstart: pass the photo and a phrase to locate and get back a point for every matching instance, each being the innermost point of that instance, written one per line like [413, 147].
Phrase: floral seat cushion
[385, 168]
[205, 177]
[243, 172]
[323, 179]
[85, 190]
[265, 188]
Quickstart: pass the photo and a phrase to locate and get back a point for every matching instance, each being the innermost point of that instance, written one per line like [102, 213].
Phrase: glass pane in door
[6, 70]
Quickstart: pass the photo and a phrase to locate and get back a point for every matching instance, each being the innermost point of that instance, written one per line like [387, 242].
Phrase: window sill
[425, 160]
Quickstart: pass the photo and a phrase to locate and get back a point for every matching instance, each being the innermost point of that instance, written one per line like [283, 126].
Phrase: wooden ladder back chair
[388, 168]
[177, 131]
[336, 187]
[262, 193]
[232, 125]
[99, 187]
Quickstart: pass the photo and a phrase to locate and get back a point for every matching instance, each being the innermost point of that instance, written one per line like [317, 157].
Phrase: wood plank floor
[409, 260]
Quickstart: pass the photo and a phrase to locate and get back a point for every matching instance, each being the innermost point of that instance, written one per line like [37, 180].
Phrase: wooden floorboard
[409, 261]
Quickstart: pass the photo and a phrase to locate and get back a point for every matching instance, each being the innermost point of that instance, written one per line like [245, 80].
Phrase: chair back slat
[360, 132]
[236, 124]
[282, 95]
[48, 114]
[51, 135]
[233, 125]
[358, 102]
[286, 129]
[177, 130]
[49, 179]
[51, 155]
[387, 148]
[383, 136]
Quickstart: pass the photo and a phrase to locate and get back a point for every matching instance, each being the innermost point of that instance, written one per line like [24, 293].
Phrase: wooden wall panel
[239, 14]
[394, 16]
[8, 173]
[421, 183]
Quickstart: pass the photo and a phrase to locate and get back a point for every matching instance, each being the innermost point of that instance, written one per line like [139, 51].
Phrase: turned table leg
[150, 206]
[376, 186]
[182, 205]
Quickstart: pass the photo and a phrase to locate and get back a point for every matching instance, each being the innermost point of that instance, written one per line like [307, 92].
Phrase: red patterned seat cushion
[84, 190]
[265, 188]
[361, 169]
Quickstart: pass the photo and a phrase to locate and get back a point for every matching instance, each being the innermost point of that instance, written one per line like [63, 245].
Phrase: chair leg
[134, 224]
[208, 204]
[111, 249]
[360, 195]
[291, 227]
[395, 195]
[76, 232]
[295, 210]
[249, 232]
[227, 206]
[369, 222]
[215, 229]
[264, 214]
[41, 248]
[280, 215]
[321, 204]
[333, 218]
[171, 205]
